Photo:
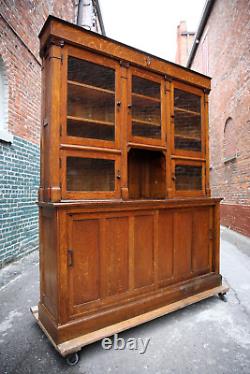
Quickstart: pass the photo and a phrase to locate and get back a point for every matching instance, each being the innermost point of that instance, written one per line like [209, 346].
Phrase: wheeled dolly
[70, 348]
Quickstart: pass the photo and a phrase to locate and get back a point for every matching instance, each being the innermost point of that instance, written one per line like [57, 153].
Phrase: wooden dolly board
[70, 348]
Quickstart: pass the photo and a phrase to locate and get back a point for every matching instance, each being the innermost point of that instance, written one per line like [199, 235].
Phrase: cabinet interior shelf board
[187, 111]
[142, 122]
[87, 86]
[146, 97]
[90, 120]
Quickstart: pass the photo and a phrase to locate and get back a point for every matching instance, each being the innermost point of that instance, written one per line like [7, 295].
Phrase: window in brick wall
[4, 134]
[230, 149]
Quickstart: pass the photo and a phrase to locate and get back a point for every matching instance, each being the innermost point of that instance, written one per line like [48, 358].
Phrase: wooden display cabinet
[128, 230]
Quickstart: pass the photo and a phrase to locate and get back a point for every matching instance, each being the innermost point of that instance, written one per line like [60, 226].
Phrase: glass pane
[92, 74]
[187, 120]
[188, 177]
[187, 100]
[90, 130]
[148, 130]
[91, 102]
[90, 174]
[145, 87]
[146, 111]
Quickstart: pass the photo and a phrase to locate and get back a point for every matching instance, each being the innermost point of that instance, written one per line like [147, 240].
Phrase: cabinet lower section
[106, 262]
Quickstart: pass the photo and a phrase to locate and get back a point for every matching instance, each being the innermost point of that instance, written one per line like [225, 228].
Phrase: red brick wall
[227, 31]
[236, 217]
[20, 23]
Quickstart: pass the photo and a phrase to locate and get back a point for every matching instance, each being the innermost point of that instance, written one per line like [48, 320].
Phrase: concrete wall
[225, 44]
[20, 23]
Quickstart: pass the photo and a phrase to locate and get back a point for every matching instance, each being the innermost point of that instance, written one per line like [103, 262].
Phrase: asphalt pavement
[209, 337]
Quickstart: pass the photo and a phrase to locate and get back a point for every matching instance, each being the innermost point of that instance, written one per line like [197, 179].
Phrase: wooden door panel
[85, 270]
[115, 269]
[144, 250]
[200, 250]
[182, 243]
[165, 246]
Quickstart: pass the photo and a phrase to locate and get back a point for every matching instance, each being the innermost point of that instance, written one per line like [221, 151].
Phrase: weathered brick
[19, 161]
[228, 30]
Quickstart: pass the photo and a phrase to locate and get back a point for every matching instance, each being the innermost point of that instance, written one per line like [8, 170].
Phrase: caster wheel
[72, 359]
[222, 296]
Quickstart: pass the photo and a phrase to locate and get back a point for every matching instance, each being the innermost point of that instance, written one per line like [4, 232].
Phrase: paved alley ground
[210, 337]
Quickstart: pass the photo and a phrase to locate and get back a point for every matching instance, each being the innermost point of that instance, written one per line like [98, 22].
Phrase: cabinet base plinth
[75, 345]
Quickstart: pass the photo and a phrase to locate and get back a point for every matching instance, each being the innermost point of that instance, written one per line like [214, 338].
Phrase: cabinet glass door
[146, 116]
[91, 100]
[187, 121]
[90, 175]
[188, 177]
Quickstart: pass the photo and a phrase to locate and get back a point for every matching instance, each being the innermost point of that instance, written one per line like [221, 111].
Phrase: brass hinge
[60, 163]
[124, 64]
[57, 58]
[45, 122]
[70, 257]
[167, 78]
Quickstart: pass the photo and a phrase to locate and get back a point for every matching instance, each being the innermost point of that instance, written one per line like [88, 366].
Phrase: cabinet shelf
[187, 137]
[191, 112]
[142, 122]
[87, 86]
[90, 120]
[140, 96]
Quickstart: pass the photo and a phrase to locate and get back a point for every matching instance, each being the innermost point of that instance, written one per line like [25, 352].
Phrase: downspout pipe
[206, 13]
[79, 13]
[84, 16]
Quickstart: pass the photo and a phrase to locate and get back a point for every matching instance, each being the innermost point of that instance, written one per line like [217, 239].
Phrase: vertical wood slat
[123, 118]
[163, 113]
[86, 270]
[211, 241]
[64, 229]
[165, 246]
[182, 243]
[102, 245]
[170, 137]
[115, 265]
[131, 252]
[216, 251]
[144, 251]
[206, 140]
[200, 240]
[54, 96]
[156, 247]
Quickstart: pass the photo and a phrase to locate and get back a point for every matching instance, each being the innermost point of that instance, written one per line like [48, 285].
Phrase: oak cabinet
[127, 224]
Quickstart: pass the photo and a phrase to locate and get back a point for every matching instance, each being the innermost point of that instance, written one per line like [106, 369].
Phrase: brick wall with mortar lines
[20, 23]
[19, 170]
[228, 32]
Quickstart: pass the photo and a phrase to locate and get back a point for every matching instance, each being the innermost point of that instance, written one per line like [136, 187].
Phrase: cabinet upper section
[118, 123]
[61, 32]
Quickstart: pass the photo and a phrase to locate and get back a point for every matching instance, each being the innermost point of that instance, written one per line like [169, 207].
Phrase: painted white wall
[4, 134]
